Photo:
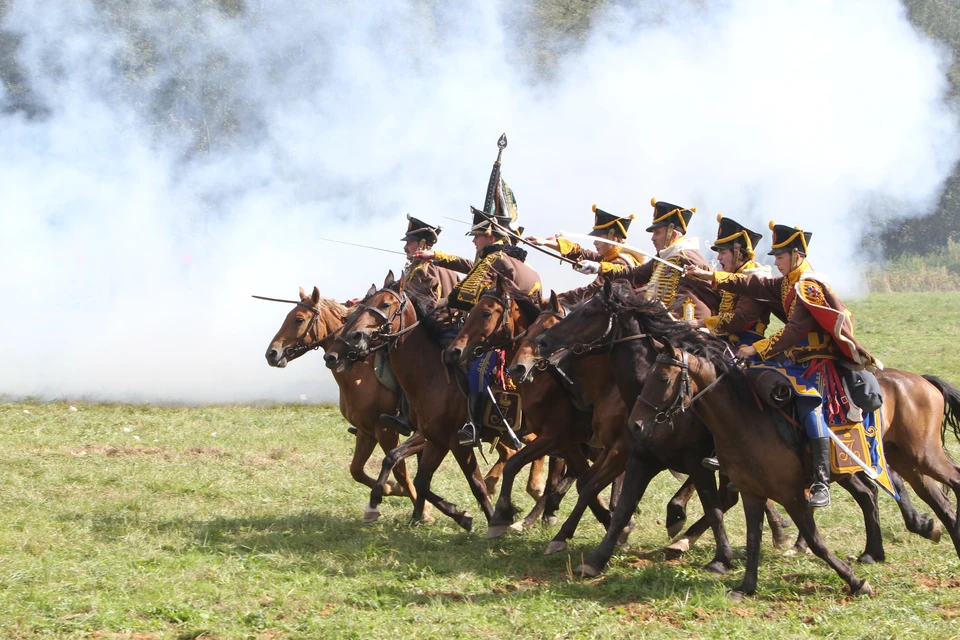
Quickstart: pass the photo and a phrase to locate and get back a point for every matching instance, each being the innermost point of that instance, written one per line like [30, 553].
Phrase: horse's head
[372, 325]
[527, 359]
[666, 392]
[492, 323]
[305, 326]
[583, 329]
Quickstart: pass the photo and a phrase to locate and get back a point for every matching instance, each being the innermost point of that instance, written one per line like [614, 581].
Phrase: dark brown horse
[391, 319]
[763, 467]
[312, 324]
[500, 319]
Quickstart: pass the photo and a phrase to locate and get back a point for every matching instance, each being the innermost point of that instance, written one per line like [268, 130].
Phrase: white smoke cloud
[185, 158]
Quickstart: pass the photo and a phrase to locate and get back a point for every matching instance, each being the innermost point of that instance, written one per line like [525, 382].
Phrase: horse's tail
[951, 410]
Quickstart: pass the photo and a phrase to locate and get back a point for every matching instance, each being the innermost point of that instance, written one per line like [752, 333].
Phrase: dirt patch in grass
[932, 582]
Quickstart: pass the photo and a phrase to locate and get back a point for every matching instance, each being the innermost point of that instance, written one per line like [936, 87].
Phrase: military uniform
[818, 332]
[501, 259]
[740, 319]
[606, 225]
[663, 283]
[422, 276]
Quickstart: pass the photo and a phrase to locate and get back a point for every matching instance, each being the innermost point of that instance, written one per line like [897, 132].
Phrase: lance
[581, 236]
[362, 246]
[513, 235]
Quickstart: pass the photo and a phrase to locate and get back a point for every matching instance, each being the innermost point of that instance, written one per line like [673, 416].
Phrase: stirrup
[397, 422]
[710, 463]
[468, 436]
[819, 495]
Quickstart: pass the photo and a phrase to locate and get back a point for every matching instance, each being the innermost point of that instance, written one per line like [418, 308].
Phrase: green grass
[168, 531]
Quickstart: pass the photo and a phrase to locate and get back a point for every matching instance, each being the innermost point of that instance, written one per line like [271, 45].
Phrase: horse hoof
[466, 522]
[516, 527]
[866, 558]
[737, 596]
[551, 521]
[782, 543]
[936, 533]
[586, 571]
[370, 515]
[680, 546]
[496, 531]
[864, 590]
[624, 535]
[427, 519]
[555, 546]
[674, 530]
[716, 567]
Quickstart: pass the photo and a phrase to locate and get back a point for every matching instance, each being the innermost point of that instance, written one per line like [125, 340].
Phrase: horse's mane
[426, 306]
[338, 309]
[656, 320]
[530, 304]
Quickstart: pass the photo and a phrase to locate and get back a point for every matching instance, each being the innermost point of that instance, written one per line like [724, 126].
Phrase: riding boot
[820, 459]
[469, 434]
[400, 421]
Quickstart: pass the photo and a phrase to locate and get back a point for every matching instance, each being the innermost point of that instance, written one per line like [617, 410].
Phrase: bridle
[384, 332]
[679, 404]
[612, 331]
[503, 325]
[302, 346]
[542, 364]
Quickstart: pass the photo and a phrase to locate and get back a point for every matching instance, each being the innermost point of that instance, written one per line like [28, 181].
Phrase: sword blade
[582, 236]
[362, 246]
[860, 463]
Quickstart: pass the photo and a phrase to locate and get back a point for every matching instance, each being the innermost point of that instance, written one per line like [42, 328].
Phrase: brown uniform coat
[574, 251]
[501, 259]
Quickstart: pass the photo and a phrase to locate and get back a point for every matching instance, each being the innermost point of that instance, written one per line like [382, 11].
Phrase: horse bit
[383, 332]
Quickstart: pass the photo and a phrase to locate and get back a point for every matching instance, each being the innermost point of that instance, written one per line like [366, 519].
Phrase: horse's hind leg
[565, 472]
[803, 518]
[362, 451]
[865, 493]
[919, 523]
[929, 492]
[778, 524]
[636, 479]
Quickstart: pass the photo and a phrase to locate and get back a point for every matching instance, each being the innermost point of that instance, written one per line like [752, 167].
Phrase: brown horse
[500, 319]
[312, 324]
[394, 320]
[915, 415]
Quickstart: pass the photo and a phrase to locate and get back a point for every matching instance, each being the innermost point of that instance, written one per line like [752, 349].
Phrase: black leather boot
[820, 460]
[400, 421]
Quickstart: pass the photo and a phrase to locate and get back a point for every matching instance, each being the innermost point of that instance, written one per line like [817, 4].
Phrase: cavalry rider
[660, 281]
[740, 320]
[422, 275]
[494, 233]
[610, 231]
[818, 334]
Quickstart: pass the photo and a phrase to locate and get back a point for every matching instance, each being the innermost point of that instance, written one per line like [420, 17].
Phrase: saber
[363, 246]
[510, 233]
[581, 236]
[863, 465]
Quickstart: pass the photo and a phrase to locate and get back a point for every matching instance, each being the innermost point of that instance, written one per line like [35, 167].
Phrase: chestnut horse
[500, 319]
[312, 324]
[392, 319]
[915, 415]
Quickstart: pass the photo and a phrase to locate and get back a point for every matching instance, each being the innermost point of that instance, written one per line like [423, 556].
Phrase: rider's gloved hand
[587, 266]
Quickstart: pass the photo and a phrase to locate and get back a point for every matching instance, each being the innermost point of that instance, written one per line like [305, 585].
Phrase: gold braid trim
[440, 256]
[663, 285]
[608, 269]
[476, 281]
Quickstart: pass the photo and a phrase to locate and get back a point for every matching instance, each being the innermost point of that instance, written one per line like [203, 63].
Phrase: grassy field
[127, 521]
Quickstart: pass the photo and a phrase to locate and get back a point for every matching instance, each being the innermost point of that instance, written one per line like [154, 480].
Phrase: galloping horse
[617, 319]
[915, 415]
[500, 319]
[392, 319]
[314, 323]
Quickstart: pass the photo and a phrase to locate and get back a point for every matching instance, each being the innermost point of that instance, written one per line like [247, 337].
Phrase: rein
[580, 348]
[502, 325]
[679, 405]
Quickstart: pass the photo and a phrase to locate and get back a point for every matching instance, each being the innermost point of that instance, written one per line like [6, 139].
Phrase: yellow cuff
[566, 247]
[712, 322]
[763, 347]
[440, 256]
[612, 268]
